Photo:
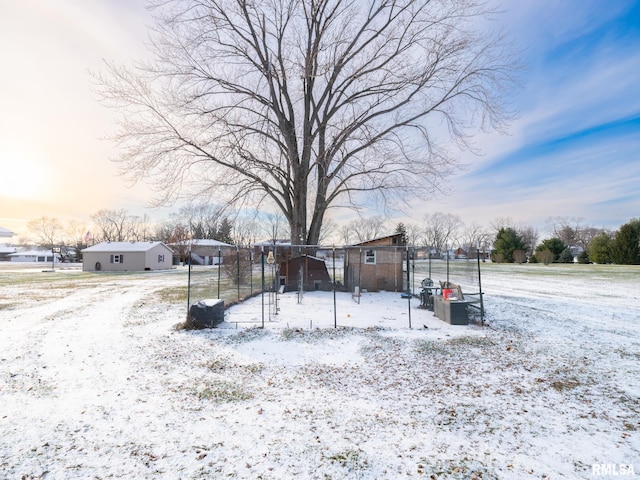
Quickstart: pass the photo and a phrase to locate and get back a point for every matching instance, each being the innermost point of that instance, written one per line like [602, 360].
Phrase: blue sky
[573, 150]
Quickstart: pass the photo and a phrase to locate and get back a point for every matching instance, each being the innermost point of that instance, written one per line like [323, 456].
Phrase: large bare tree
[307, 104]
[572, 231]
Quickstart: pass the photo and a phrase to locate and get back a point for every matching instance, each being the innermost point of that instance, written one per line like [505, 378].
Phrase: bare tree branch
[307, 103]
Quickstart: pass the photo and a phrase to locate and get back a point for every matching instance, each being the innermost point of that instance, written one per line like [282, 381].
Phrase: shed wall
[133, 261]
[386, 274]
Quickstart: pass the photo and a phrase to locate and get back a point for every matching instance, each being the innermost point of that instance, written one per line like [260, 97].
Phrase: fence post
[413, 273]
[275, 281]
[335, 314]
[447, 253]
[408, 271]
[408, 289]
[480, 290]
[359, 275]
[251, 271]
[219, 265]
[262, 263]
[189, 284]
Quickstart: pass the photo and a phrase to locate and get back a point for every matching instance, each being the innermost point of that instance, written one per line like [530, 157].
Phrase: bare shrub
[237, 266]
[519, 256]
[546, 256]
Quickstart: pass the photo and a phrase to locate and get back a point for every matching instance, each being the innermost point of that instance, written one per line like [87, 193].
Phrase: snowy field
[95, 382]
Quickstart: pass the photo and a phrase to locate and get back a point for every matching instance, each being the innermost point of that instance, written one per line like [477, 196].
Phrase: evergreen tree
[625, 248]
[402, 229]
[507, 241]
[565, 256]
[583, 258]
[600, 248]
[223, 232]
[554, 245]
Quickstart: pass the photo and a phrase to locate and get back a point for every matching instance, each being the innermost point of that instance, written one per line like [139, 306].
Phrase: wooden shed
[127, 257]
[376, 265]
[312, 271]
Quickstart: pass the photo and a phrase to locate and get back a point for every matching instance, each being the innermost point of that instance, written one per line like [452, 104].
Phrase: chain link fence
[237, 273]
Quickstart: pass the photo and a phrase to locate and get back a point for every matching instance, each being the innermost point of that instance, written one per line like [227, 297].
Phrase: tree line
[582, 243]
[191, 221]
[505, 239]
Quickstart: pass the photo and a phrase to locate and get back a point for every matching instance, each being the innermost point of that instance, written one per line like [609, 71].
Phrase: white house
[203, 251]
[5, 233]
[5, 251]
[127, 257]
[35, 256]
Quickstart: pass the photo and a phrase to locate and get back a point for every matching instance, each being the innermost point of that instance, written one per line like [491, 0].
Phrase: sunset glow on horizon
[573, 151]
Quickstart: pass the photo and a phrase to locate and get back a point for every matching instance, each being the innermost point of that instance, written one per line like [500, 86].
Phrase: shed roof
[106, 247]
[394, 236]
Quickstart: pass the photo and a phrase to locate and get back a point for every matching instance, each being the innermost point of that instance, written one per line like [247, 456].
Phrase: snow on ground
[97, 383]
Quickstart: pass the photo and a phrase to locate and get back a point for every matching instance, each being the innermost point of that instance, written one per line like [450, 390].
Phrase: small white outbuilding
[127, 257]
[35, 256]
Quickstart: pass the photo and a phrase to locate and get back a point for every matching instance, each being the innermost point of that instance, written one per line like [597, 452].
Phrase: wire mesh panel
[232, 276]
[463, 272]
[358, 271]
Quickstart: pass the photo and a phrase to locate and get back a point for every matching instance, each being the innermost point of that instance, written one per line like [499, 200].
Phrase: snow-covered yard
[95, 382]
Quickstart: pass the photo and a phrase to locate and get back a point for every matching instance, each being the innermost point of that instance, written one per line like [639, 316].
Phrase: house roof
[205, 242]
[277, 243]
[122, 247]
[32, 253]
[8, 249]
[6, 233]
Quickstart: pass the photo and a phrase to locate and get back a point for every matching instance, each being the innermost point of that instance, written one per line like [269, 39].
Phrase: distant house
[204, 251]
[576, 251]
[5, 251]
[127, 257]
[310, 271]
[375, 264]
[35, 256]
[460, 254]
[4, 233]
[276, 246]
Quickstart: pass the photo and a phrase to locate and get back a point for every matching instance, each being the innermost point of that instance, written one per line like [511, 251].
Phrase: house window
[370, 257]
[40, 259]
[160, 258]
[117, 258]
